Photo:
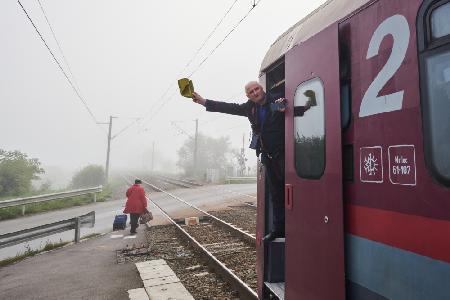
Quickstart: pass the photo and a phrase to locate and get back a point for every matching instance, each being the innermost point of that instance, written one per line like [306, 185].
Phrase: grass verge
[31, 252]
[47, 247]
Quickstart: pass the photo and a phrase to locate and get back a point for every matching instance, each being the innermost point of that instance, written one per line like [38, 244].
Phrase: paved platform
[88, 270]
[160, 283]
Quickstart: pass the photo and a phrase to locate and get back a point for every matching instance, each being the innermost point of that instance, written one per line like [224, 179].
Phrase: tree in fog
[89, 176]
[17, 172]
[212, 153]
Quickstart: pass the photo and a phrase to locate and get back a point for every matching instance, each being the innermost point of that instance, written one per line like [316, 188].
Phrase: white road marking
[116, 236]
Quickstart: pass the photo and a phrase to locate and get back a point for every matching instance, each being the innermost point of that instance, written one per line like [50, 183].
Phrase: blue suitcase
[120, 222]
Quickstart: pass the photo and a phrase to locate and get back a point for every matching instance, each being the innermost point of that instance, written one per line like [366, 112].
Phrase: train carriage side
[368, 163]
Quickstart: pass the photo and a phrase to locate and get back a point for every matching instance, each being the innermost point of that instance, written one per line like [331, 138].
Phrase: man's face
[255, 93]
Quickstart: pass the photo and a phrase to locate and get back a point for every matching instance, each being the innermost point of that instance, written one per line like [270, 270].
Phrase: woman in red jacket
[136, 204]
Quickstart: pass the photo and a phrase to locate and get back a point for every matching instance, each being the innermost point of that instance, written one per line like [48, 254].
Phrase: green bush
[90, 176]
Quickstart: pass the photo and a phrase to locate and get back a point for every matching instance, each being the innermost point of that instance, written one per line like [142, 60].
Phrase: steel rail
[182, 180]
[25, 235]
[252, 205]
[245, 292]
[238, 193]
[49, 197]
[173, 182]
[245, 235]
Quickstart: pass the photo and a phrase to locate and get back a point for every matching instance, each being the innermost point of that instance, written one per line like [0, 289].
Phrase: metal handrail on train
[49, 197]
[25, 235]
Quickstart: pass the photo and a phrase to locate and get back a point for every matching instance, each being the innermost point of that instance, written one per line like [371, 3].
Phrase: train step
[275, 260]
[276, 289]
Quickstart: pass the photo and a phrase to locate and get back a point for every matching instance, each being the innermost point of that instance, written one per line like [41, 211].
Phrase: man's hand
[282, 100]
[198, 99]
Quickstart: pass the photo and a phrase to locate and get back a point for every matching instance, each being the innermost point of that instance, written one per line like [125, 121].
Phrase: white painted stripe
[116, 236]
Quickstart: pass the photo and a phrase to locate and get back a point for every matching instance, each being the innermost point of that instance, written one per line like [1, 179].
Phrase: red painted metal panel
[396, 133]
[314, 227]
[424, 236]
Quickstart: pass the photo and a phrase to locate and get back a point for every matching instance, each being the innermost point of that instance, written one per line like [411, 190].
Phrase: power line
[184, 69]
[59, 65]
[209, 36]
[226, 36]
[126, 127]
[212, 52]
[59, 46]
[155, 111]
[181, 130]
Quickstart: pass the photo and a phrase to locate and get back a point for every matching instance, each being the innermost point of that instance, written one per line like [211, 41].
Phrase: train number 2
[372, 104]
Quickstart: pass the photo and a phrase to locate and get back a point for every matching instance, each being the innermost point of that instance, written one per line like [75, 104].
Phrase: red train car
[368, 167]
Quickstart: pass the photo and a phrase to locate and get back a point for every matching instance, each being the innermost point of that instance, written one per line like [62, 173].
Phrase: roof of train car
[328, 13]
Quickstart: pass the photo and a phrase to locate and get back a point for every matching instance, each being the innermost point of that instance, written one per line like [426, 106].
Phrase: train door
[314, 249]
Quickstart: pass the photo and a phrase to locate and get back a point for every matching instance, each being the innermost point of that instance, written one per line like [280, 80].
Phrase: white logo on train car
[371, 164]
[402, 164]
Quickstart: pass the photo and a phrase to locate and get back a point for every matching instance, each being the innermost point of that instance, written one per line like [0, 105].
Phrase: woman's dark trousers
[134, 218]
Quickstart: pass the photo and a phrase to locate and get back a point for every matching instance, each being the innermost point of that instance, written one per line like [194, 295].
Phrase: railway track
[229, 250]
[185, 182]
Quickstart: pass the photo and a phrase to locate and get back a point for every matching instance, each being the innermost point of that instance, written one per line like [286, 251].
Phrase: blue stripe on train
[357, 292]
[395, 273]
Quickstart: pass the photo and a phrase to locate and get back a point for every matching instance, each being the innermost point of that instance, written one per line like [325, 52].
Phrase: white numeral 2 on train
[372, 104]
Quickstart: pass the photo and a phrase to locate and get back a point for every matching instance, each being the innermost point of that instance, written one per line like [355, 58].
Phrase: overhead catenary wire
[209, 36]
[198, 50]
[226, 36]
[59, 65]
[59, 47]
[210, 54]
[148, 113]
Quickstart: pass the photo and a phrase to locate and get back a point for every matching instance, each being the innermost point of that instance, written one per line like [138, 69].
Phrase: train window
[438, 96]
[435, 86]
[309, 129]
[440, 25]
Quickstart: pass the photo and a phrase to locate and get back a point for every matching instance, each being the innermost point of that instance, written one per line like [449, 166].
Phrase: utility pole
[108, 149]
[195, 147]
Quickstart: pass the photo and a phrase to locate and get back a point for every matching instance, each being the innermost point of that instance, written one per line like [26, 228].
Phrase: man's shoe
[133, 232]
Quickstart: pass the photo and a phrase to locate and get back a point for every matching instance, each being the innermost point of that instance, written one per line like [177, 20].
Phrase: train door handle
[288, 196]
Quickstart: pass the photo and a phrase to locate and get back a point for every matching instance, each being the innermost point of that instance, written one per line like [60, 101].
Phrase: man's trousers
[275, 178]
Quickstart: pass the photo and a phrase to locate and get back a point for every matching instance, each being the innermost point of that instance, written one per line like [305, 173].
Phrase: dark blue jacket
[271, 132]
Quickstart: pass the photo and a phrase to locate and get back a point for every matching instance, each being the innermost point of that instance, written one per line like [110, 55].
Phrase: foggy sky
[124, 56]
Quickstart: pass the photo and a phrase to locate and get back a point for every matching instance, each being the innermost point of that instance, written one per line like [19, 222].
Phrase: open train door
[314, 204]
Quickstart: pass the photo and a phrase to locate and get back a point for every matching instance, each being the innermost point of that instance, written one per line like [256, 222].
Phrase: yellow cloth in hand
[186, 87]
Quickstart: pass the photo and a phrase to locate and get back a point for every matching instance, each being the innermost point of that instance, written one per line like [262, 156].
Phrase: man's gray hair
[251, 83]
